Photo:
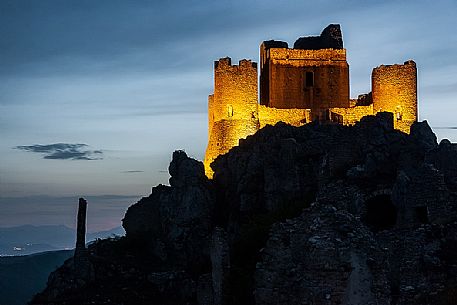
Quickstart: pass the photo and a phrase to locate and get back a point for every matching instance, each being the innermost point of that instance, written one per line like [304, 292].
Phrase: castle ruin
[309, 82]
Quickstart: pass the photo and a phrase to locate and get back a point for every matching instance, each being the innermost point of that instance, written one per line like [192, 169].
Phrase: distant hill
[23, 276]
[24, 240]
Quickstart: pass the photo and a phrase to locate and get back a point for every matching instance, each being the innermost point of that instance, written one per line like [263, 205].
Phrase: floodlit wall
[307, 83]
[349, 116]
[394, 89]
[304, 79]
[295, 117]
[232, 109]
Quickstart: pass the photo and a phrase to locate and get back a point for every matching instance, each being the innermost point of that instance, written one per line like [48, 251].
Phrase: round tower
[232, 109]
[394, 89]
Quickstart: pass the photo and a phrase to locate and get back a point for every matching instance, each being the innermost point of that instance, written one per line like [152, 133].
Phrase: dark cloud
[99, 35]
[132, 172]
[64, 151]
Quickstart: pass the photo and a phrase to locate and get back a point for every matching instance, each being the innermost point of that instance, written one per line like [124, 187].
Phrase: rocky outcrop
[443, 159]
[319, 214]
[324, 256]
[175, 222]
[82, 265]
[166, 249]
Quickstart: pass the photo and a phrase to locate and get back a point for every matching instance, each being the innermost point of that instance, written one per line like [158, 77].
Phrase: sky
[96, 95]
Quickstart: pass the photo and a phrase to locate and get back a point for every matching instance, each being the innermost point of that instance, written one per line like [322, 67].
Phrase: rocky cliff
[319, 214]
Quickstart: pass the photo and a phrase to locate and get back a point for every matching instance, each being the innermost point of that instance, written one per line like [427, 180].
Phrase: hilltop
[317, 214]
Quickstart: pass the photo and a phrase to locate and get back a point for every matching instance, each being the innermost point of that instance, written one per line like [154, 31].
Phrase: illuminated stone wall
[288, 93]
[294, 117]
[351, 115]
[234, 112]
[232, 109]
[394, 89]
[286, 85]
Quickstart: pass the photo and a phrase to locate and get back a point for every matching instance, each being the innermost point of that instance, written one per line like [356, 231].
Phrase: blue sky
[119, 85]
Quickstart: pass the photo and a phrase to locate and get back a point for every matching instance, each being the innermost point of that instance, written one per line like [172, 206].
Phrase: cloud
[132, 172]
[51, 37]
[64, 151]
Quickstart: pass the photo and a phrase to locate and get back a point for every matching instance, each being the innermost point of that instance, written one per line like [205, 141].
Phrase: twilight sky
[95, 95]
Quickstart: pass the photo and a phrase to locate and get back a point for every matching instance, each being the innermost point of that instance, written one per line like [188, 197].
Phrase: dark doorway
[381, 213]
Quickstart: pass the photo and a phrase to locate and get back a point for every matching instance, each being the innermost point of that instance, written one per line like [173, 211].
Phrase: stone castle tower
[309, 82]
[233, 108]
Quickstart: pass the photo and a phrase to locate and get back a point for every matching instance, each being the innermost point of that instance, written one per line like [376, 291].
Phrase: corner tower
[232, 109]
[314, 74]
[394, 89]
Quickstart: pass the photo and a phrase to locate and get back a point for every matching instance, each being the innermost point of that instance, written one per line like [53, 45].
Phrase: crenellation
[309, 82]
[223, 62]
[232, 108]
[247, 63]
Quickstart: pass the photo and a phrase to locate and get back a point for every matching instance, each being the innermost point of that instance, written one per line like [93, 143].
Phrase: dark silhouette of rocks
[81, 226]
[175, 221]
[82, 266]
[318, 214]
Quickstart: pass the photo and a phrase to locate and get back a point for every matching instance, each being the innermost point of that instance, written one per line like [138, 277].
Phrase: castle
[309, 82]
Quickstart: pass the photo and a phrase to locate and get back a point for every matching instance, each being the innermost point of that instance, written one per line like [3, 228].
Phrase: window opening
[309, 79]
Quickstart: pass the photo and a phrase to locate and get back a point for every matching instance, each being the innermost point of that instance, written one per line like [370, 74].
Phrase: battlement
[394, 89]
[226, 63]
[409, 64]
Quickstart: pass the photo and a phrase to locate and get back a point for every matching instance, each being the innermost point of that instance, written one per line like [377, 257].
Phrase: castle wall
[349, 116]
[286, 84]
[211, 107]
[394, 89]
[295, 117]
[235, 88]
[307, 83]
[232, 109]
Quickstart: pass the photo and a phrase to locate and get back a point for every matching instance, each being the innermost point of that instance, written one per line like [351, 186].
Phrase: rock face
[319, 214]
[175, 222]
[325, 256]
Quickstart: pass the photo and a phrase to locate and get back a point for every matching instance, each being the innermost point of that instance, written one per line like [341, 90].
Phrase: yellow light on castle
[297, 86]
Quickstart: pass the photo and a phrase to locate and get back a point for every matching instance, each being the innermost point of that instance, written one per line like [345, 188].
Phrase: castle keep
[309, 82]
